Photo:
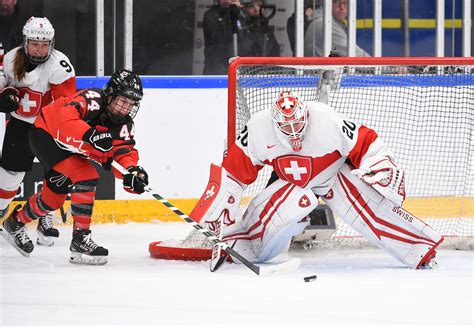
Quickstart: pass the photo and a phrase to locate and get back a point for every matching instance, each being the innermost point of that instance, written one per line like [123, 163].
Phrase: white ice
[352, 287]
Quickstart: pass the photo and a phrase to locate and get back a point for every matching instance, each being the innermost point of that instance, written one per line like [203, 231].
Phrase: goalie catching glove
[136, 180]
[9, 99]
[385, 177]
[98, 145]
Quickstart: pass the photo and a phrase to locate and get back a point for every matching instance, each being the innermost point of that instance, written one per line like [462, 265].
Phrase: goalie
[316, 153]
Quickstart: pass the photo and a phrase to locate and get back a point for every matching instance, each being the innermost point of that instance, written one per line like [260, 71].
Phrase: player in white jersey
[35, 74]
[316, 153]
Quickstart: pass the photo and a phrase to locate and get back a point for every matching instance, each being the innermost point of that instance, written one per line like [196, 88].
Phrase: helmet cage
[290, 117]
[127, 84]
[38, 60]
[121, 111]
[38, 29]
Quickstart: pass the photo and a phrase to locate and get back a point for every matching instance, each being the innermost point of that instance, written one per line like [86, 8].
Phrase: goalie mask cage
[423, 109]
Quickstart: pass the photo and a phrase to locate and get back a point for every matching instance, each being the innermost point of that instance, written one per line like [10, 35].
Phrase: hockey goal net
[423, 108]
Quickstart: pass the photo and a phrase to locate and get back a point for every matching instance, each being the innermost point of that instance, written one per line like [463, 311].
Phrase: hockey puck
[310, 278]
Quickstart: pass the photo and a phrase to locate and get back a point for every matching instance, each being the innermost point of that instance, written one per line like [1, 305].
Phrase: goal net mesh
[425, 115]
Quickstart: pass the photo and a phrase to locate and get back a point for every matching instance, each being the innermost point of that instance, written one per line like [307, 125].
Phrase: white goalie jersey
[42, 85]
[329, 141]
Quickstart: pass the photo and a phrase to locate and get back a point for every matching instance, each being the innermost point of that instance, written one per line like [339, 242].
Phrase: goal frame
[194, 249]
[323, 61]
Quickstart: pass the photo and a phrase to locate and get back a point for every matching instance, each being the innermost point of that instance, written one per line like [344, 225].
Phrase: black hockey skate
[84, 251]
[47, 234]
[14, 232]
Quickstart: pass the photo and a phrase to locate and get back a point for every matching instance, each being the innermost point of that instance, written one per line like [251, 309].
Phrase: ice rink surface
[353, 287]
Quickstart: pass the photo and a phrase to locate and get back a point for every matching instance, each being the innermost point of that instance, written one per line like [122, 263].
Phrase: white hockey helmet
[290, 117]
[41, 30]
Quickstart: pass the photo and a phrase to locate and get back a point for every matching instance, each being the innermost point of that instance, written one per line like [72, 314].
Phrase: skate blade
[433, 264]
[85, 259]
[10, 240]
[45, 240]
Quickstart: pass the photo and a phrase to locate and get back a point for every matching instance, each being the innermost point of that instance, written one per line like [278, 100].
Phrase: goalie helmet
[290, 117]
[123, 84]
[38, 29]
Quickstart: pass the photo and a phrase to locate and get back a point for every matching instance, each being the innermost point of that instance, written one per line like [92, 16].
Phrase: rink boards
[178, 165]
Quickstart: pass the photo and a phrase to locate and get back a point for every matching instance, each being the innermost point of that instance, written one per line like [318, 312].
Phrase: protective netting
[425, 114]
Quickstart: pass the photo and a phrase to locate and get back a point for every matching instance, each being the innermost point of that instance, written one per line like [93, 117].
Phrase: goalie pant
[279, 212]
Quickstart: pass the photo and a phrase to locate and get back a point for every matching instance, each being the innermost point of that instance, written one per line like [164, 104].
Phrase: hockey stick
[259, 270]
[63, 214]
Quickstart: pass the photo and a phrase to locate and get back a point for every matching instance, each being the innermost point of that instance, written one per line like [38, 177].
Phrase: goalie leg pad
[273, 217]
[384, 224]
[9, 183]
[220, 201]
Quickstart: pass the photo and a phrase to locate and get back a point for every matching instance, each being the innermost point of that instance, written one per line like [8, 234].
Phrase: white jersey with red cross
[330, 140]
[48, 81]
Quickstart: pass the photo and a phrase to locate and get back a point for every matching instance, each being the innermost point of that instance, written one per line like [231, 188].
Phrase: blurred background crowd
[194, 37]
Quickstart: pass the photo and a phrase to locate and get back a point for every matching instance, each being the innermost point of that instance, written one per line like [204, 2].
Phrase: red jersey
[68, 119]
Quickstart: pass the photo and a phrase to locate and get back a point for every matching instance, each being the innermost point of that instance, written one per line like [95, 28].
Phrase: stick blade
[218, 258]
[273, 269]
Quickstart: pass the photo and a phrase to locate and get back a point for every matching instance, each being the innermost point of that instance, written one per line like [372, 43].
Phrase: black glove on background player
[9, 99]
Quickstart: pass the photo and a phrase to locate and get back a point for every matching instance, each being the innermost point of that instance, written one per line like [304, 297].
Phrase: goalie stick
[289, 265]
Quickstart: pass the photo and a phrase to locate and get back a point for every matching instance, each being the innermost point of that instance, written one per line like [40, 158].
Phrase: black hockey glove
[136, 180]
[9, 99]
[99, 137]
[100, 147]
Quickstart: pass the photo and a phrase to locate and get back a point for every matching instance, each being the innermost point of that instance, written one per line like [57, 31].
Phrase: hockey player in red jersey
[92, 125]
[35, 74]
[316, 153]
